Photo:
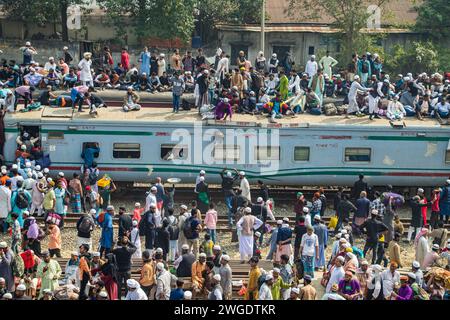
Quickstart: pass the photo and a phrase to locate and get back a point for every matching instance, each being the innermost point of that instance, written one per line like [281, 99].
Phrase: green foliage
[420, 57]
[433, 19]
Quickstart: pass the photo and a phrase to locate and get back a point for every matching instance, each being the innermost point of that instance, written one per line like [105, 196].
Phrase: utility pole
[263, 25]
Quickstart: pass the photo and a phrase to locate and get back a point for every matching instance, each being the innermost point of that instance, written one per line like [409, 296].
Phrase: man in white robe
[85, 69]
[245, 186]
[337, 274]
[265, 292]
[246, 225]
[352, 94]
[136, 240]
[134, 291]
[312, 67]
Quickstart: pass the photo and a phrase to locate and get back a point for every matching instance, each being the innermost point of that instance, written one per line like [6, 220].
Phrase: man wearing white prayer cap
[163, 282]
[265, 292]
[337, 274]
[245, 186]
[20, 293]
[294, 294]
[217, 291]
[245, 227]
[187, 295]
[134, 291]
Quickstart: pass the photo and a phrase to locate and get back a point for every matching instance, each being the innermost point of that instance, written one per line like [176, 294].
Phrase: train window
[358, 154]
[227, 153]
[91, 145]
[301, 154]
[174, 152]
[267, 153]
[447, 156]
[126, 150]
[55, 135]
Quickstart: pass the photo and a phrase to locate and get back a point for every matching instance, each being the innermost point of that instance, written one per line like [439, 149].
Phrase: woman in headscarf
[260, 62]
[109, 276]
[422, 246]
[33, 237]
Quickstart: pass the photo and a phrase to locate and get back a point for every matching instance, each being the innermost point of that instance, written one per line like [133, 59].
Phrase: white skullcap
[364, 263]
[187, 295]
[406, 78]
[274, 55]
[183, 207]
[338, 235]
[386, 80]
[412, 275]
[137, 204]
[285, 219]
[51, 58]
[305, 209]
[202, 179]
[28, 43]
[160, 266]
[344, 231]
[341, 259]
[279, 221]
[46, 170]
[377, 267]
[276, 270]
[4, 171]
[93, 211]
[153, 188]
[28, 164]
[49, 180]
[248, 210]
[350, 255]
[448, 181]
[225, 100]
[202, 255]
[435, 246]
[226, 257]
[37, 168]
[96, 254]
[295, 290]
[14, 166]
[61, 174]
[26, 213]
[202, 172]
[152, 205]
[3, 245]
[159, 250]
[185, 247]
[206, 72]
[313, 56]
[217, 277]
[356, 77]
[259, 200]
[74, 253]
[269, 277]
[7, 296]
[130, 88]
[40, 175]
[217, 247]
[242, 173]
[21, 287]
[103, 294]
[420, 190]
[131, 283]
[258, 234]
[65, 48]
[317, 217]
[109, 208]
[135, 223]
[416, 264]
[229, 174]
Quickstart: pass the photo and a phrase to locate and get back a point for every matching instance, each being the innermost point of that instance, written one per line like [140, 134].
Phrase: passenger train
[310, 150]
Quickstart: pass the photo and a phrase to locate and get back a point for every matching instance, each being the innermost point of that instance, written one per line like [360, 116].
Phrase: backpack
[174, 230]
[439, 240]
[93, 176]
[187, 228]
[85, 225]
[185, 105]
[21, 200]
[101, 217]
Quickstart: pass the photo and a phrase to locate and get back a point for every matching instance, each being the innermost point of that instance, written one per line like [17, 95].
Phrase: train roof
[165, 116]
[156, 111]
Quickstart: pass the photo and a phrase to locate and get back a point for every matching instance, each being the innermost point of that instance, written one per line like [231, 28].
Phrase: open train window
[174, 152]
[301, 153]
[91, 145]
[55, 135]
[267, 153]
[227, 152]
[358, 154]
[126, 150]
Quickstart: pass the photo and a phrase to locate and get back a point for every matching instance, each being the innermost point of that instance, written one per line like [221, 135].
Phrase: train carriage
[305, 150]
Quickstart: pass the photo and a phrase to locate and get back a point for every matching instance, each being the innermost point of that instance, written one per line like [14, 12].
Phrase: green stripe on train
[402, 138]
[100, 132]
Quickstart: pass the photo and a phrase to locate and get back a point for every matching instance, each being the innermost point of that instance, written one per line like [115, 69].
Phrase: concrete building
[306, 37]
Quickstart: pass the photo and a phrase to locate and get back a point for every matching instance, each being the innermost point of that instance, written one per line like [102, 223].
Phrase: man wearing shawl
[422, 246]
[317, 84]
[246, 225]
[49, 271]
[260, 62]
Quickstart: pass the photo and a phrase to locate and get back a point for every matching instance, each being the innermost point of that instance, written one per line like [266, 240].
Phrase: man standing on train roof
[358, 187]
[356, 86]
[245, 186]
[151, 198]
[228, 181]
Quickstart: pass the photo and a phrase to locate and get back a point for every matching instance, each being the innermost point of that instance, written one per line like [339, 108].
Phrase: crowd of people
[221, 88]
[181, 257]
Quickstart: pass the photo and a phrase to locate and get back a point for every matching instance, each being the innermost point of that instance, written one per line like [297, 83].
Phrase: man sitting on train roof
[130, 101]
[223, 110]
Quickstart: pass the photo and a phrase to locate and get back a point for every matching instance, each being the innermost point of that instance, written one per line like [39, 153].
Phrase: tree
[347, 16]
[162, 19]
[433, 19]
[40, 12]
